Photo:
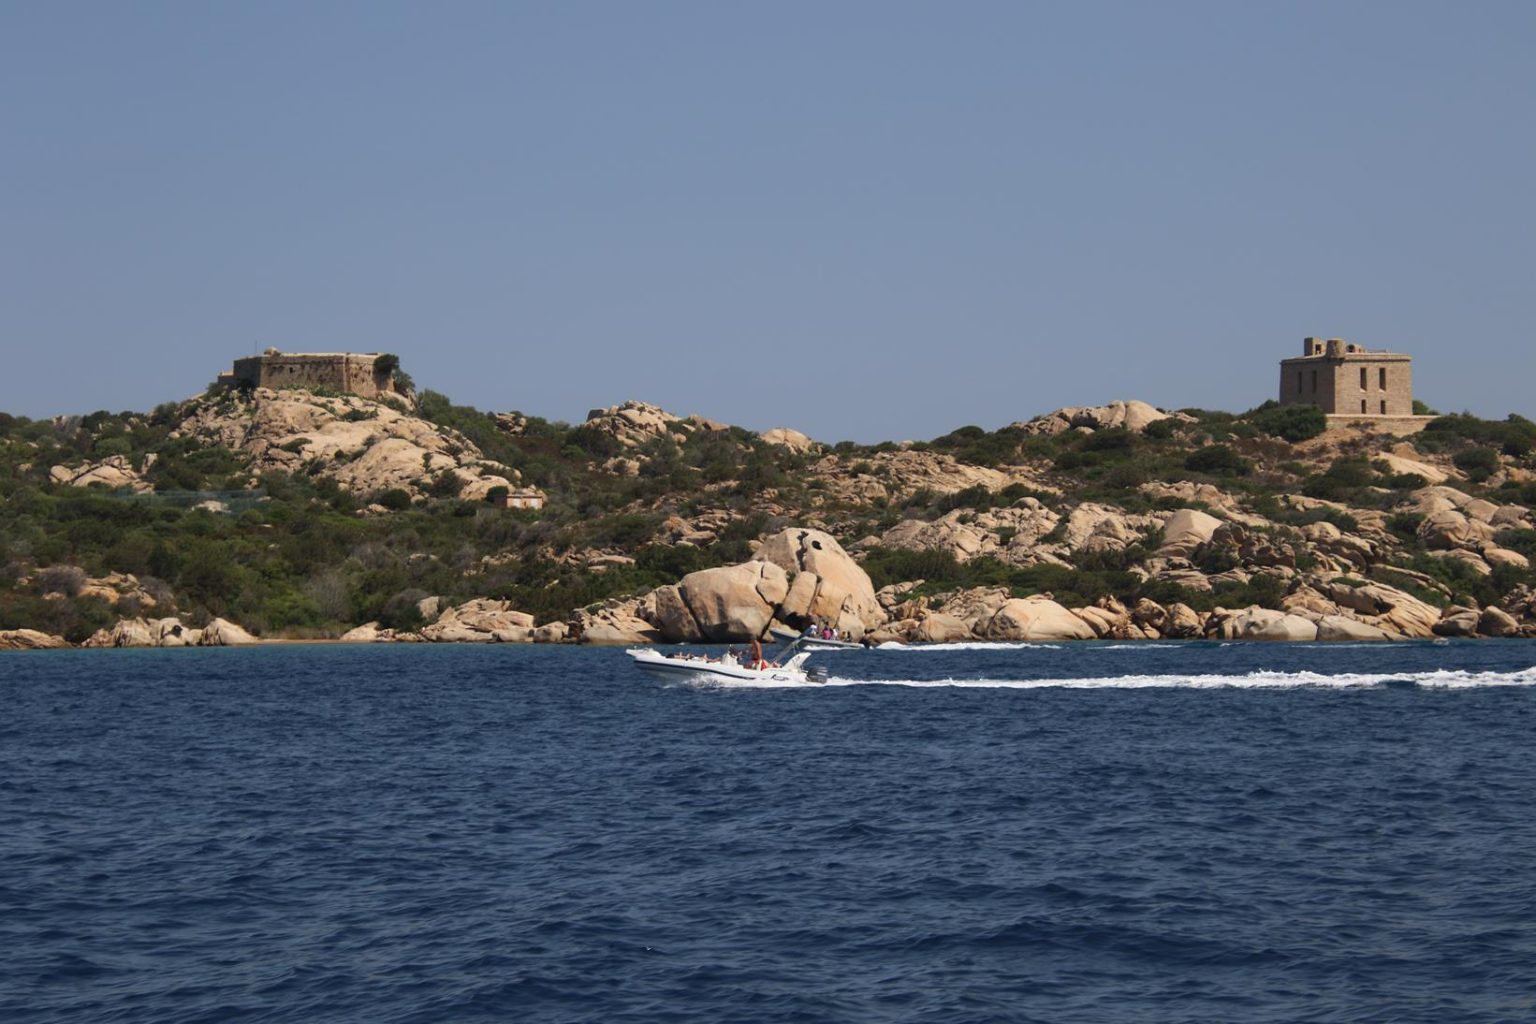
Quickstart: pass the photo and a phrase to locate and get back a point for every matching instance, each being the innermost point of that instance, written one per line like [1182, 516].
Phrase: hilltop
[302, 513]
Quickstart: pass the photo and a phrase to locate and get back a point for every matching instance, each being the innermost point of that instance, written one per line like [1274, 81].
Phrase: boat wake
[969, 645]
[1441, 679]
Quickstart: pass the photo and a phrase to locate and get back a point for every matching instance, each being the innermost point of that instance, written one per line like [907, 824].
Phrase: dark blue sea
[1090, 833]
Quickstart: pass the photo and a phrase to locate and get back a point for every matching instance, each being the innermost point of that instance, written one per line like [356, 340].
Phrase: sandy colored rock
[551, 633]
[1094, 527]
[1403, 466]
[964, 534]
[170, 632]
[1450, 528]
[1458, 621]
[844, 597]
[1186, 530]
[1309, 603]
[455, 633]
[672, 617]
[1497, 622]
[482, 620]
[1036, 618]
[633, 424]
[939, 628]
[1149, 614]
[223, 633]
[892, 594]
[974, 606]
[29, 640]
[1429, 501]
[114, 473]
[364, 445]
[961, 541]
[901, 473]
[1471, 559]
[735, 602]
[619, 631]
[123, 633]
[1386, 607]
[367, 633]
[1496, 557]
[617, 621]
[1183, 622]
[787, 438]
[797, 604]
[1344, 627]
[1254, 623]
[1109, 620]
[1511, 517]
[1130, 415]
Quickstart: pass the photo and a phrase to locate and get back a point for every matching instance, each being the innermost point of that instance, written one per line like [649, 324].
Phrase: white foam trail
[1442, 679]
[1143, 645]
[971, 645]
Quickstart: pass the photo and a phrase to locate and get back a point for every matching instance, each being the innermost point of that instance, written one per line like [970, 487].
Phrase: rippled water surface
[1095, 833]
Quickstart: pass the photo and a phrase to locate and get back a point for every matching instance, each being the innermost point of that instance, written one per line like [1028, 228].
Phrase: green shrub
[1405, 526]
[1116, 439]
[1289, 422]
[886, 566]
[1514, 435]
[1341, 480]
[446, 484]
[978, 447]
[1521, 540]
[1219, 460]
[395, 499]
[1478, 463]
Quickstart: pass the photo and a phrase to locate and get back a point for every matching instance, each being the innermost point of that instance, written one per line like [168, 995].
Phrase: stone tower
[1344, 379]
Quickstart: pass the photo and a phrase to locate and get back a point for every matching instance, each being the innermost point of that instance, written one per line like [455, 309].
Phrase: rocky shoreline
[800, 576]
[290, 515]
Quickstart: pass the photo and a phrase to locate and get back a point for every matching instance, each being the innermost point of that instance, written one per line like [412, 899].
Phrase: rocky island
[320, 497]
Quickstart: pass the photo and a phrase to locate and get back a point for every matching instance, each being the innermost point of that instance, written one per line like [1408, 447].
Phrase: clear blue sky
[865, 220]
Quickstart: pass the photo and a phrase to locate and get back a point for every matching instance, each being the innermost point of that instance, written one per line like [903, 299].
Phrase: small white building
[524, 497]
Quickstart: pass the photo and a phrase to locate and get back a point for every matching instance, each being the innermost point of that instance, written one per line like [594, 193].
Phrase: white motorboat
[816, 641]
[702, 668]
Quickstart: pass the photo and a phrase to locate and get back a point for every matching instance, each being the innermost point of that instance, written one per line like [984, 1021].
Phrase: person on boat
[757, 656]
[813, 630]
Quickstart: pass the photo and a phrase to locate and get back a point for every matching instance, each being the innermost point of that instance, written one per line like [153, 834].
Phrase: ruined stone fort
[1348, 382]
[366, 374]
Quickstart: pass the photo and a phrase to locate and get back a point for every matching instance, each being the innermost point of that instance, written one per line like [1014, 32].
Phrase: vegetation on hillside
[295, 555]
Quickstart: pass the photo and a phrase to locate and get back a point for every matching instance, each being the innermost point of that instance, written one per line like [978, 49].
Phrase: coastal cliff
[304, 514]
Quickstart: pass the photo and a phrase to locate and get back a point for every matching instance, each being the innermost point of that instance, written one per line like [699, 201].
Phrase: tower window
[1362, 406]
[1383, 374]
[1383, 406]
[1314, 380]
[1362, 378]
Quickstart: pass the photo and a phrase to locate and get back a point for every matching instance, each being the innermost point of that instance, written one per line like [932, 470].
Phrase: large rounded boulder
[1036, 618]
[731, 602]
[826, 584]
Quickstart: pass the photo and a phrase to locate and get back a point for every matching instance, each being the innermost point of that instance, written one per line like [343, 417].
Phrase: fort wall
[358, 373]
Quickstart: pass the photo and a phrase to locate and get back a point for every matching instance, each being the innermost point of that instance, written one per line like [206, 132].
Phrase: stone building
[366, 374]
[524, 497]
[1347, 380]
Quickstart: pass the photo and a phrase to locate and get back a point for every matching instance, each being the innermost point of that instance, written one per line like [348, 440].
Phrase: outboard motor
[817, 674]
